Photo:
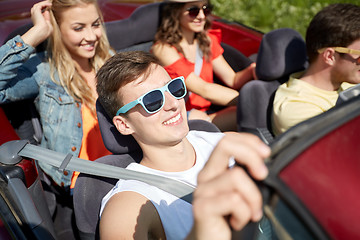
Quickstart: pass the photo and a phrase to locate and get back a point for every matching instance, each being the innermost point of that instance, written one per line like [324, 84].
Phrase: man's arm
[129, 215]
[228, 197]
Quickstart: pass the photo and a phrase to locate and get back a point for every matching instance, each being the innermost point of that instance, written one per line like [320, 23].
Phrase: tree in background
[266, 15]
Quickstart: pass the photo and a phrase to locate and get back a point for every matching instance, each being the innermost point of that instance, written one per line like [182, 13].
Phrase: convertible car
[311, 192]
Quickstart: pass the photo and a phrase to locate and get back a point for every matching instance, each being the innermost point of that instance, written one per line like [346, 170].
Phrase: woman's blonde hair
[60, 59]
[169, 31]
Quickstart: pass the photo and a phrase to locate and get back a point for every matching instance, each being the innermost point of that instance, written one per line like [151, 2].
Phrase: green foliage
[266, 15]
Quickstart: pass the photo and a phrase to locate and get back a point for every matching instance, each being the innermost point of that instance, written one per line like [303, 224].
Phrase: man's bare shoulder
[129, 215]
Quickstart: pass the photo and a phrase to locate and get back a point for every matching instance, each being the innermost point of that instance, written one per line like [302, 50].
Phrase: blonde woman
[182, 37]
[62, 79]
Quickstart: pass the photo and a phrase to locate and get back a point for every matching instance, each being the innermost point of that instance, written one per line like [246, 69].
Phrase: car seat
[89, 190]
[24, 212]
[137, 31]
[282, 52]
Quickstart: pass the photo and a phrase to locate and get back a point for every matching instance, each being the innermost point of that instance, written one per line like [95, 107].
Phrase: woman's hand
[42, 29]
[244, 76]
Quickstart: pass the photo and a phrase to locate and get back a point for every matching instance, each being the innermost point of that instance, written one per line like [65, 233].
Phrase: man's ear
[122, 125]
[329, 56]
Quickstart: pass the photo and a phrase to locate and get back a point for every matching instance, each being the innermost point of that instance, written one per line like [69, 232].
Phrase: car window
[280, 222]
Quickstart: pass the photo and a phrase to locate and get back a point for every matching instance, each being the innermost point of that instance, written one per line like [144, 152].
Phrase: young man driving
[146, 103]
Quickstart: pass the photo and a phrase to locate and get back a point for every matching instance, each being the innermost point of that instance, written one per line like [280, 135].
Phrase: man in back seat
[333, 48]
[136, 90]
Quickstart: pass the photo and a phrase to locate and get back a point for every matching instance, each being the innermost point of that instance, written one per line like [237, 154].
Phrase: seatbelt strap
[35, 120]
[198, 61]
[59, 160]
[197, 67]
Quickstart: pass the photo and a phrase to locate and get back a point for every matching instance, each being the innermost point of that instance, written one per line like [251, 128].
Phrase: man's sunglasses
[154, 100]
[194, 10]
[345, 50]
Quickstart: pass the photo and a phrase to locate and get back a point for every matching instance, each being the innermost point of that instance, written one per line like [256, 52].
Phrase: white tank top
[175, 214]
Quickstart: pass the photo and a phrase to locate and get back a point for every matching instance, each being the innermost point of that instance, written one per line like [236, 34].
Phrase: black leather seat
[281, 53]
[136, 32]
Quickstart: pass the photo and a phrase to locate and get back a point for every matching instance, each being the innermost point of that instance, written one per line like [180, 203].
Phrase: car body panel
[325, 177]
[7, 131]
[314, 171]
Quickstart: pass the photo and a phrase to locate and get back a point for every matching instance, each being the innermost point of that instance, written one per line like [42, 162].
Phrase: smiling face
[81, 30]
[165, 127]
[347, 68]
[193, 24]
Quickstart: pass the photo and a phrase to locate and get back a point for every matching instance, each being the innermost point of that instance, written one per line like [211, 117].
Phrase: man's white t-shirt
[176, 214]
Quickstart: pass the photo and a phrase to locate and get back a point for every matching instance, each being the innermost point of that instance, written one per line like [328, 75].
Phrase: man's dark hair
[122, 68]
[337, 25]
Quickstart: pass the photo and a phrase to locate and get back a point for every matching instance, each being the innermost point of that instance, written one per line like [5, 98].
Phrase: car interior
[281, 53]
[129, 150]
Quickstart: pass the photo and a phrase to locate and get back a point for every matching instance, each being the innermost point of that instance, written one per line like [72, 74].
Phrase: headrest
[113, 140]
[139, 28]
[281, 53]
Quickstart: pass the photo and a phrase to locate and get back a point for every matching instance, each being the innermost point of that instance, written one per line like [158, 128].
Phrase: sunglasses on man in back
[344, 50]
[194, 10]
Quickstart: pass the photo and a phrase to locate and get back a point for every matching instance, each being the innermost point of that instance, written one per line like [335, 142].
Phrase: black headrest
[235, 58]
[113, 140]
[282, 52]
[139, 28]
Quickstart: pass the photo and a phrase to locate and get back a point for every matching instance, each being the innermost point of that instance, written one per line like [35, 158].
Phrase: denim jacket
[25, 74]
